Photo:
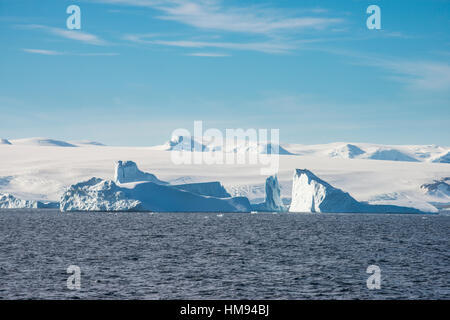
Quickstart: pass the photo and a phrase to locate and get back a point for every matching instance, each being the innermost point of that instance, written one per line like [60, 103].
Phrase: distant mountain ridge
[337, 150]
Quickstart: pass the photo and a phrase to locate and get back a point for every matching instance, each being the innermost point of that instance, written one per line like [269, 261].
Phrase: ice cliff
[103, 195]
[312, 194]
[127, 171]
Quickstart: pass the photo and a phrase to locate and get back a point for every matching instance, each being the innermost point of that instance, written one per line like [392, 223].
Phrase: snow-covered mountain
[208, 144]
[444, 158]
[5, 141]
[342, 150]
[41, 142]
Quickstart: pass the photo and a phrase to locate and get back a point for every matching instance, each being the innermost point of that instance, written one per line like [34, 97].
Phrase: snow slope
[444, 158]
[41, 142]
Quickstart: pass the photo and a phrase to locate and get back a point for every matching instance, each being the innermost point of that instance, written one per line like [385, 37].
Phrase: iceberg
[96, 195]
[105, 195]
[312, 194]
[8, 201]
[273, 202]
[127, 171]
[211, 189]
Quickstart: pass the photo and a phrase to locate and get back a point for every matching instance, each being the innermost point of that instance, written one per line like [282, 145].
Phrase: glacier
[312, 194]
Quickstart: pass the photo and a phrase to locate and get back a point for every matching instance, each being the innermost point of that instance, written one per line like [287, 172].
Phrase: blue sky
[138, 69]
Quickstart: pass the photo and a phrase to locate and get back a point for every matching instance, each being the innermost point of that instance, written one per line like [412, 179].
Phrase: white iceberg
[127, 171]
[96, 195]
[103, 195]
[210, 189]
[312, 194]
[8, 201]
[272, 201]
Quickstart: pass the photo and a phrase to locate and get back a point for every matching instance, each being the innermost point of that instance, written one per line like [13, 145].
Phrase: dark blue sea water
[236, 256]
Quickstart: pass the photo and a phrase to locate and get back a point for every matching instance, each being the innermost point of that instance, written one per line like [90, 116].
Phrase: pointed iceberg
[312, 194]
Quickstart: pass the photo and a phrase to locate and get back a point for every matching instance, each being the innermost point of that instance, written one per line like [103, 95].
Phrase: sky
[139, 69]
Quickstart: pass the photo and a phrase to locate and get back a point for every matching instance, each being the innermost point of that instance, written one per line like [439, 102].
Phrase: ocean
[230, 256]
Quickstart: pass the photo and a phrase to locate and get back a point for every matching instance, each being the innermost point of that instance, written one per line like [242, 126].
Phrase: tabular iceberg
[103, 195]
[312, 194]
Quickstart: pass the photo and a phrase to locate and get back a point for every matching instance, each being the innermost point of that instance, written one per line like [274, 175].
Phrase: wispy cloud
[214, 15]
[431, 75]
[424, 75]
[208, 54]
[43, 52]
[68, 34]
[267, 47]
[56, 53]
